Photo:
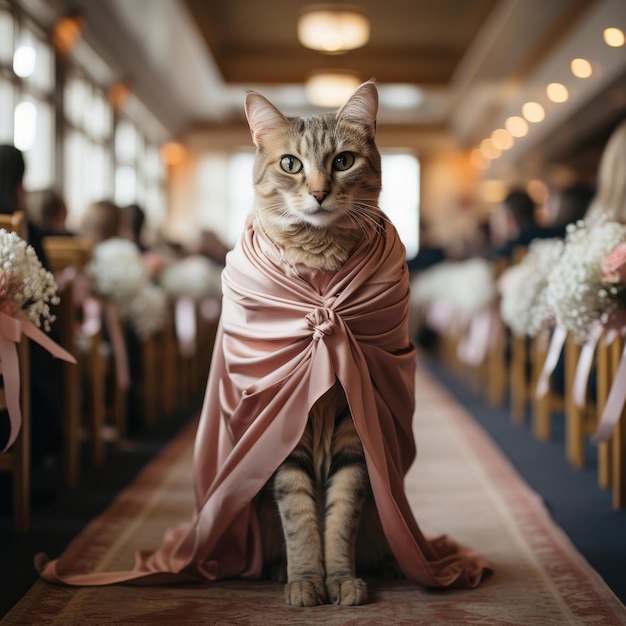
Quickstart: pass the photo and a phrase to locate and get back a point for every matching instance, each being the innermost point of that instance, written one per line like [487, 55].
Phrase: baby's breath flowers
[576, 290]
[523, 305]
[120, 274]
[194, 277]
[117, 269]
[146, 311]
[24, 283]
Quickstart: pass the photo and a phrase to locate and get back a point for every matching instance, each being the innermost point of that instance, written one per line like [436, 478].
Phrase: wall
[449, 185]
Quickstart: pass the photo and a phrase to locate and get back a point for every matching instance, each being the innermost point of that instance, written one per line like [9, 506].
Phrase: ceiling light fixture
[614, 37]
[331, 88]
[67, 31]
[533, 112]
[557, 92]
[333, 28]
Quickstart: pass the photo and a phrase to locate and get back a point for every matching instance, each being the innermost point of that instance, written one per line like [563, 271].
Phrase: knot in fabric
[322, 321]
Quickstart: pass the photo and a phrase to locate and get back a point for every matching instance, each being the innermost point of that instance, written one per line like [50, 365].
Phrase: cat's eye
[343, 161]
[291, 164]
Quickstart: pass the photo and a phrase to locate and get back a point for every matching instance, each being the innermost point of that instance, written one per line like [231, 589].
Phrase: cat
[317, 180]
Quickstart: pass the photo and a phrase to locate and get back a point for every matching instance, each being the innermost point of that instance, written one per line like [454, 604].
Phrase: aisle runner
[460, 485]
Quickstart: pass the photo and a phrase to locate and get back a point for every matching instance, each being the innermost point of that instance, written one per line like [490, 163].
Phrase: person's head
[574, 203]
[101, 221]
[46, 209]
[611, 195]
[521, 208]
[11, 177]
[133, 219]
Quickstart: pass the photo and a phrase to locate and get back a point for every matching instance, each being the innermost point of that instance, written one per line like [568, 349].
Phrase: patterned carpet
[460, 485]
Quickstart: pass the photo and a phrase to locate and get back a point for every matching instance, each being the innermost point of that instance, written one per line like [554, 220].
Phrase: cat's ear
[262, 116]
[362, 106]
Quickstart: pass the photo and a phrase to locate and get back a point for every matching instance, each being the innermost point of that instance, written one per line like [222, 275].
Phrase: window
[399, 198]
[7, 43]
[26, 95]
[139, 172]
[88, 173]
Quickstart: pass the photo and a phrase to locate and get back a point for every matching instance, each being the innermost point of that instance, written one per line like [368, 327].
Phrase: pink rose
[614, 265]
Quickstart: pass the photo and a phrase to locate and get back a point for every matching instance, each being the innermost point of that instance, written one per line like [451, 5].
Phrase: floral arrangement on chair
[27, 291]
[120, 276]
[579, 291]
[523, 304]
[25, 285]
[195, 277]
[614, 277]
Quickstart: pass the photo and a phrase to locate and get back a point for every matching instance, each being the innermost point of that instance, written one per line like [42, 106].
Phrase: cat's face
[318, 170]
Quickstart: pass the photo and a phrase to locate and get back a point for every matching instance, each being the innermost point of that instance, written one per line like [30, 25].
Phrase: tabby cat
[317, 181]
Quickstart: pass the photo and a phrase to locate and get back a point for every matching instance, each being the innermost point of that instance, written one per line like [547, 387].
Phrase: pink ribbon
[92, 316]
[185, 322]
[583, 367]
[614, 403]
[118, 344]
[557, 342]
[446, 318]
[473, 347]
[11, 330]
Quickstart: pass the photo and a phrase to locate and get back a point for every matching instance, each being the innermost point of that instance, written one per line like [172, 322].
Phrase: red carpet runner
[460, 485]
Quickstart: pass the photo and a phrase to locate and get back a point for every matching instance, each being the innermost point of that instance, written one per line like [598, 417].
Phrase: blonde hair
[610, 197]
[101, 221]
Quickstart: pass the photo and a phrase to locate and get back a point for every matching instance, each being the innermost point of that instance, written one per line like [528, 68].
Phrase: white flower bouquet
[194, 277]
[578, 288]
[468, 285]
[117, 269]
[614, 279]
[27, 290]
[119, 273]
[523, 304]
[25, 285]
[146, 311]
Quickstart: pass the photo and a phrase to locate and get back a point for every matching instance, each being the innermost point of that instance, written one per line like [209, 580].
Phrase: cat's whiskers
[367, 216]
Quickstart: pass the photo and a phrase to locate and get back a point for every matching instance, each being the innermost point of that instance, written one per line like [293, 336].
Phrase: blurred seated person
[573, 204]
[518, 213]
[610, 198]
[133, 219]
[101, 221]
[12, 195]
[428, 253]
[46, 209]
[46, 383]
[213, 247]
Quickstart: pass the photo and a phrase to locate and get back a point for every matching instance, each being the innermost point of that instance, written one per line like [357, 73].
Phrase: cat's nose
[319, 195]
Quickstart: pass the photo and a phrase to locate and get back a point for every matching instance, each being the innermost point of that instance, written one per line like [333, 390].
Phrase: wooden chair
[16, 460]
[168, 375]
[545, 406]
[579, 421]
[603, 371]
[612, 454]
[64, 253]
[520, 386]
[496, 367]
[97, 372]
[618, 440]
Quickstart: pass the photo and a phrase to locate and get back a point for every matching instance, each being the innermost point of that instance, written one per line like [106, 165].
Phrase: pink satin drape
[285, 335]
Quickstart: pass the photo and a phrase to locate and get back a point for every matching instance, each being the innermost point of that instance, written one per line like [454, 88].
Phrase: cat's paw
[305, 592]
[348, 592]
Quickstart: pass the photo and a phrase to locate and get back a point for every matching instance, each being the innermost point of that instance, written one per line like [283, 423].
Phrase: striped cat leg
[346, 487]
[295, 494]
